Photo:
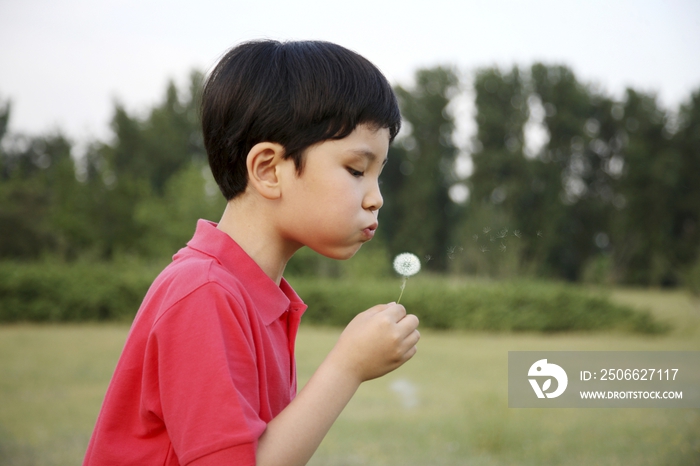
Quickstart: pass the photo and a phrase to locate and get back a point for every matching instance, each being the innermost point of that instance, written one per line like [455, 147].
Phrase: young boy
[297, 134]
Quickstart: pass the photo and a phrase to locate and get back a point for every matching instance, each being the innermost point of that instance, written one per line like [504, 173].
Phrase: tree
[499, 186]
[36, 182]
[418, 213]
[137, 167]
[686, 215]
[573, 170]
[4, 120]
[156, 148]
[658, 186]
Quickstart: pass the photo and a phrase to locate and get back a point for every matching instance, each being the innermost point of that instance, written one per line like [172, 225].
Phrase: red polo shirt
[208, 362]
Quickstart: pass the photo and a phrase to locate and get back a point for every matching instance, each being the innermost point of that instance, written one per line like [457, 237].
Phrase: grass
[52, 384]
[54, 377]
[462, 415]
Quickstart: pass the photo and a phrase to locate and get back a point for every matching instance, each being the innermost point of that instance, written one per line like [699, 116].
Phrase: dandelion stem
[403, 285]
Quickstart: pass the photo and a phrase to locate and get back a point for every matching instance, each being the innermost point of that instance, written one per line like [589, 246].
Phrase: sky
[65, 63]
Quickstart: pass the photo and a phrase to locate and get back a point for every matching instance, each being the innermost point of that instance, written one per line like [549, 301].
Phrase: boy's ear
[263, 165]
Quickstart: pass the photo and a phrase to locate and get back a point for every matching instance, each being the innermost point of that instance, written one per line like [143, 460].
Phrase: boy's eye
[355, 173]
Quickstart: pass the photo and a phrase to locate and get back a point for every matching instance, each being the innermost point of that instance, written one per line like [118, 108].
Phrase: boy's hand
[376, 342]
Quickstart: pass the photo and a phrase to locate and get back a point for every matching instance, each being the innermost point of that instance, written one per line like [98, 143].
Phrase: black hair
[295, 94]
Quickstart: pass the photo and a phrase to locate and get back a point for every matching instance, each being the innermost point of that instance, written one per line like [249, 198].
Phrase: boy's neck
[253, 230]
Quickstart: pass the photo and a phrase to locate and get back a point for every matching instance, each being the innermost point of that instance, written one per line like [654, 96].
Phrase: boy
[297, 134]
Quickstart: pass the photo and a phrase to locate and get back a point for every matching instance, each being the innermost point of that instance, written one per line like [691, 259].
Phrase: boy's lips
[369, 231]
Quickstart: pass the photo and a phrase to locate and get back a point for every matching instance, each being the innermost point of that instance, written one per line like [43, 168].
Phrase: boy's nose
[373, 200]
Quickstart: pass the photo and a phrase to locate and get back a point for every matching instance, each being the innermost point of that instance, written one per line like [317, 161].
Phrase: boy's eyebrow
[368, 154]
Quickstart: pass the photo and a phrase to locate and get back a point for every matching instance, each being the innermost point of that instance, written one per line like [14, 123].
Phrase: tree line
[611, 193]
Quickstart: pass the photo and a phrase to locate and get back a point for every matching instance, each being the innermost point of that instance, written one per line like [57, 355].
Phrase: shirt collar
[271, 300]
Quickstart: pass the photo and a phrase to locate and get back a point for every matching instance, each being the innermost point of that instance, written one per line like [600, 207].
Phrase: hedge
[467, 305]
[57, 292]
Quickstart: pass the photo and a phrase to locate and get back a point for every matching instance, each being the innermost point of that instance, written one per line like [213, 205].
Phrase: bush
[497, 306]
[58, 292]
[598, 270]
[691, 279]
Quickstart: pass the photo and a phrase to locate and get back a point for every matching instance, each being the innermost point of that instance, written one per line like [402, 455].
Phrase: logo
[543, 369]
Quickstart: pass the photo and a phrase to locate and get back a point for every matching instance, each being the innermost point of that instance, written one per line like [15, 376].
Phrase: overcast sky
[63, 63]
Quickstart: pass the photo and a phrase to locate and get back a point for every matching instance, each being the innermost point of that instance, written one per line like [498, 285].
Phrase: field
[448, 406]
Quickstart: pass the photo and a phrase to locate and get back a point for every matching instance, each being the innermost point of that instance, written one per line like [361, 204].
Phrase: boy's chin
[341, 254]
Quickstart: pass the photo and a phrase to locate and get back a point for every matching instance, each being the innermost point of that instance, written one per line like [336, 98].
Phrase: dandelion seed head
[486, 230]
[407, 264]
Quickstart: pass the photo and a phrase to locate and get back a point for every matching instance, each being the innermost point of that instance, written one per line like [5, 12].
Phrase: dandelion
[517, 233]
[486, 230]
[428, 257]
[452, 250]
[503, 247]
[540, 233]
[484, 249]
[503, 233]
[476, 237]
[406, 264]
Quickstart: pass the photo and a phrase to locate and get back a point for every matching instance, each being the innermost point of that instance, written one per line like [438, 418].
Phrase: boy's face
[332, 206]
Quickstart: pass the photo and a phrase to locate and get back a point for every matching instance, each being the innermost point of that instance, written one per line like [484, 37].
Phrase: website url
[630, 395]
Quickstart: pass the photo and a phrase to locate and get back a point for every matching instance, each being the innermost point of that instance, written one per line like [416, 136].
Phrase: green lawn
[448, 406]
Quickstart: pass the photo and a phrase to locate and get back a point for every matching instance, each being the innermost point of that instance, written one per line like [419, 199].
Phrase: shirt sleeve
[201, 378]
[240, 454]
